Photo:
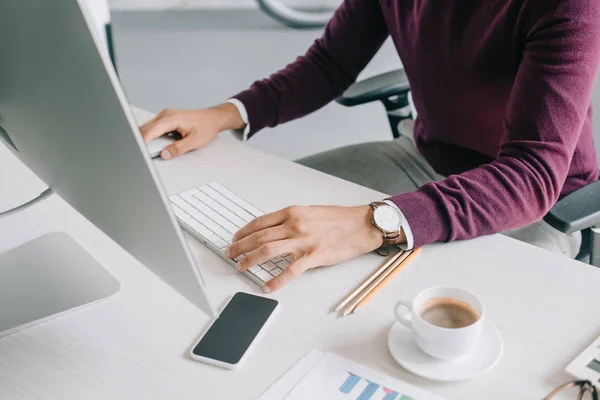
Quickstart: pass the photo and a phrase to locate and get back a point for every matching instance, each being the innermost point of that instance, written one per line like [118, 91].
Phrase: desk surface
[135, 345]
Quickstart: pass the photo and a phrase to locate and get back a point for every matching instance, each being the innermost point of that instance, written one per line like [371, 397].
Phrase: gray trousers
[397, 167]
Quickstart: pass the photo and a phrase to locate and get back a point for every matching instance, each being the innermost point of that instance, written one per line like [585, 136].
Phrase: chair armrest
[376, 88]
[576, 211]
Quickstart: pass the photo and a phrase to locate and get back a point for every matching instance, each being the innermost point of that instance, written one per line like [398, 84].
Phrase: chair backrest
[596, 116]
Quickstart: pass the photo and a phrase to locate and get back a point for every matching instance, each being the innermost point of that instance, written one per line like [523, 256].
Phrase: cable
[43, 196]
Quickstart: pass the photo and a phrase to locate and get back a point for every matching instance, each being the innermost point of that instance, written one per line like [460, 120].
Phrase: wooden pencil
[370, 279]
[399, 265]
[350, 307]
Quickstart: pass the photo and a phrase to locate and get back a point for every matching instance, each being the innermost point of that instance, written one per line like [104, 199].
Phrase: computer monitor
[65, 115]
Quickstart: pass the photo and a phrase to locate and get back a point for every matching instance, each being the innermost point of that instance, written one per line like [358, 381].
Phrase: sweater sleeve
[351, 39]
[547, 108]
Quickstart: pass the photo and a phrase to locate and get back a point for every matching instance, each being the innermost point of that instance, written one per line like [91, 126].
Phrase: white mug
[440, 342]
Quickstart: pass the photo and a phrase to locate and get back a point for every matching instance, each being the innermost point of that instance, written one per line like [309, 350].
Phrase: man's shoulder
[565, 8]
[555, 13]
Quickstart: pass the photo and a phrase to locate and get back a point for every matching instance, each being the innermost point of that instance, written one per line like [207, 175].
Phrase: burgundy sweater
[502, 89]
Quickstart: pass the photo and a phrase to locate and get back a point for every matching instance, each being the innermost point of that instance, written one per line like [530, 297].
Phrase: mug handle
[404, 318]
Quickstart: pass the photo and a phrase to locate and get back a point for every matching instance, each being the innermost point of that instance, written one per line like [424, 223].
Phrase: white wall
[187, 4]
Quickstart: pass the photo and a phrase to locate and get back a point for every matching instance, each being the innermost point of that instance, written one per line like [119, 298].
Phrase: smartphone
[230, 336]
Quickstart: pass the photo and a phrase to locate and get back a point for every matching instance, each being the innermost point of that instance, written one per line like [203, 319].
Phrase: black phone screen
[234, 330]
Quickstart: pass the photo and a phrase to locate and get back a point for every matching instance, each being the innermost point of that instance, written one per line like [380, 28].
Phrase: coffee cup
[446, 322]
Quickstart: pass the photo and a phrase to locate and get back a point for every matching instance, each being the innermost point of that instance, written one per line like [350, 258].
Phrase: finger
[255, 240]
[147, 124]
[260, 223]
[181, 146]
[154, 129]
[265, 252]
[288, 274]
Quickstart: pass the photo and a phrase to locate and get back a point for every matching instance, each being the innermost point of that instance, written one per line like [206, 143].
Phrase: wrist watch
[389, 221]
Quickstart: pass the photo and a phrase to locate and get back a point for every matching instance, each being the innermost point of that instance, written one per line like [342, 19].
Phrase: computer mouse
[156, 146]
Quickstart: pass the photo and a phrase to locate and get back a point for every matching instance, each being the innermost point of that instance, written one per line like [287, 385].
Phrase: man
[502, 90]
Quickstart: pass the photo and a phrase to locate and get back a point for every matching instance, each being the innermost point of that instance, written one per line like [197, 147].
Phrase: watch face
[387, 218]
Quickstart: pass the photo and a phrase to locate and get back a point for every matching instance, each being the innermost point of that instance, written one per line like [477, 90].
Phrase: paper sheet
[335, 377]
[327, 376]
[287, 382]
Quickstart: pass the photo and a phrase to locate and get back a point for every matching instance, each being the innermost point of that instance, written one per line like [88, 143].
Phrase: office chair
[578, 211]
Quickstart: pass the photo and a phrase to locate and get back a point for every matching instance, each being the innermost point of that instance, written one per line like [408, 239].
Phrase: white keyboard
[212, 214]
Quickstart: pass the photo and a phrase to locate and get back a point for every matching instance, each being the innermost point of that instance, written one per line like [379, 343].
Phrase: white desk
[135, 345]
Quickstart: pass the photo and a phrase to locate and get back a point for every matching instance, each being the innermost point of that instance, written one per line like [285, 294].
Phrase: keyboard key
[263, 275]
[229, 215]
[209, 224]
[289, 258]
[247, 216]
[220, 210]
[195, 225]
[255, 212]
[212, 238]
[206, 210]
[254, 269]
[276, 271]
[237, 210]
[268, 266]
[216, 217]
[221, 244]
[216, 185]
[178, 211]
[245, 205]
[221, 189]
[197, 204]
[208, 190]
[231, 228]
[185, 206]
[208, 200]
[213, 194]
[221, 232]
[202, 197]
[237, 221]
[283, 263]
[224, 201]
[177, 200]
[204, 231]
[188, 192]
[188, 219]
[189, 197]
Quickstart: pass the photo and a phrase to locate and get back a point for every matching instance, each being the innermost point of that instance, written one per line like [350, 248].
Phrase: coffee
[448, 313]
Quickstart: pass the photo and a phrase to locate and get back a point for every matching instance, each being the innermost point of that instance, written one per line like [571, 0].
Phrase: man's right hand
[196, 127]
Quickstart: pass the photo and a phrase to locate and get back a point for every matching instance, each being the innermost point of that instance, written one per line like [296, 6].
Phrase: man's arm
[546, 112]
[330, 66]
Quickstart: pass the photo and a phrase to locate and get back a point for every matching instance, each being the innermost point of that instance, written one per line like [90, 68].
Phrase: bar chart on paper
[337, 378]
[369, 390]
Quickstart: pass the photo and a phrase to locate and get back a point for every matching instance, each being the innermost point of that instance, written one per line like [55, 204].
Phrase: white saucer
[484, 356]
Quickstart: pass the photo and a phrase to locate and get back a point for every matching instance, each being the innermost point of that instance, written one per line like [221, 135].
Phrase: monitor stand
[47, 277]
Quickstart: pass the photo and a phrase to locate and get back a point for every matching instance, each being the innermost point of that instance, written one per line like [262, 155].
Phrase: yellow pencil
[370, 279]
[350, 307]
[398, 265]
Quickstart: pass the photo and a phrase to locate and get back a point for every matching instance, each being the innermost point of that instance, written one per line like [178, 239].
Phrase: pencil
[370, 279]
[372, 285]
[397, 267]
